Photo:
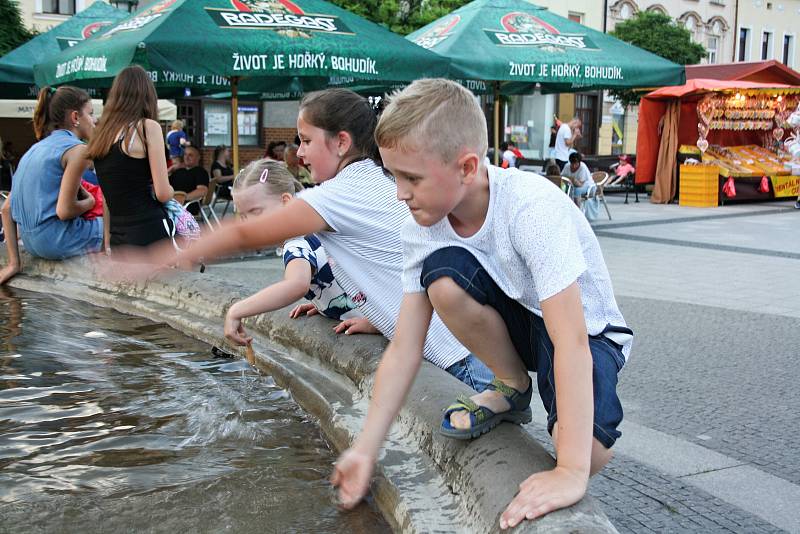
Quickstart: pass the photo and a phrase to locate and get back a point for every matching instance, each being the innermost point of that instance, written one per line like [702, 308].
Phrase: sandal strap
[516, 399]
[478, 414]
[502, 387]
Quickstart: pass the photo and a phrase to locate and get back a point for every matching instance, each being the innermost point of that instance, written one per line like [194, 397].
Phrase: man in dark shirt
[190, 178]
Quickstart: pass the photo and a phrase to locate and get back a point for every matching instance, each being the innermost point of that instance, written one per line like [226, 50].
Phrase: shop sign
[786, 186]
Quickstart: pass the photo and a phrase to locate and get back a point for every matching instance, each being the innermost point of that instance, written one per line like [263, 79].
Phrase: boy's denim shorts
[472, 372]
[533, 344]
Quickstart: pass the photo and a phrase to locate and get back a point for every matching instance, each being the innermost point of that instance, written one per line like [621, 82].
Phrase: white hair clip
[264, 175]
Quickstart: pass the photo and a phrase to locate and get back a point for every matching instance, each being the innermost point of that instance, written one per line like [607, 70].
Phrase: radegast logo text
[438, 33]
[86, 32]
[282, 16]
[522, 29]
[143, 18]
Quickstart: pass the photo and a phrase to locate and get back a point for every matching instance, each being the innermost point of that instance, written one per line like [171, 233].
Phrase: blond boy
[515, 272]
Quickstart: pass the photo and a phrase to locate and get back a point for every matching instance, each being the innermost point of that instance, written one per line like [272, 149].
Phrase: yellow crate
[699, 186]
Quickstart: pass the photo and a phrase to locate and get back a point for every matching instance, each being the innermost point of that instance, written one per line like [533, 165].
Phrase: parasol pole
[235, 123]
[496, 86]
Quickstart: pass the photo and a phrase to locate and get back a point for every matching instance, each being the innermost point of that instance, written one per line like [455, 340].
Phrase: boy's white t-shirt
[534, 243]
[361, 207]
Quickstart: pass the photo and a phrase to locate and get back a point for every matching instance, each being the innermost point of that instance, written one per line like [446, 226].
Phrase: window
[766, 45]
[58, 7]
[217, 123]
[713, 47]
[788, 49]
[744, 44]
[575, 17]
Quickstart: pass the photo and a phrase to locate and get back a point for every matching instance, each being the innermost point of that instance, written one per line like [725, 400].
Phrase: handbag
[97, 210]
[184, 222]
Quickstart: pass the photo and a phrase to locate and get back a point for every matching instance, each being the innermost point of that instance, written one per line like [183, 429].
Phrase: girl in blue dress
[47, 200]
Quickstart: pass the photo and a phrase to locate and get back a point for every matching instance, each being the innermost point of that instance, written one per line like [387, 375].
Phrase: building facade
[711, 22]
[768, 30]
[43, 15]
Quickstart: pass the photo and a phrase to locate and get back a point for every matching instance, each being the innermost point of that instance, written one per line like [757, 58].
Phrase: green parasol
[16, 67]
[512, 41]
[212, 46]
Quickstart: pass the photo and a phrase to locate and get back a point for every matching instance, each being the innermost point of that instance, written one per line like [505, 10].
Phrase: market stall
[737, 128]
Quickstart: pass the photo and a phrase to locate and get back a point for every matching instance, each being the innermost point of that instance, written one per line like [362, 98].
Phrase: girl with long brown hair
[47, 199]
[128, 155]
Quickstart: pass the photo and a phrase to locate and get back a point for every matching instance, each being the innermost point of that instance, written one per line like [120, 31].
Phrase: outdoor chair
[205, 209]
[179, 197]
[218, 198]
[566, 186]
[556, 180]
[600, 179]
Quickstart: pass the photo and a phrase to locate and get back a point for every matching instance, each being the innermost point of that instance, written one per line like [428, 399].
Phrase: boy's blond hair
[435, 114]
[177, 124]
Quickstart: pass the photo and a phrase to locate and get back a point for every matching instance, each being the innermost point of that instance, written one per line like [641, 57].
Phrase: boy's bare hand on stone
[542, 493]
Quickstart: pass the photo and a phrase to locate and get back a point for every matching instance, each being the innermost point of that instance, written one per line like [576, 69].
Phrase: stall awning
[704, 85]
[23, 109]
[771, 71]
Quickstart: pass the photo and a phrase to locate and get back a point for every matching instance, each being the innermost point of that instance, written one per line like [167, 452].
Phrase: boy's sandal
[482, 419]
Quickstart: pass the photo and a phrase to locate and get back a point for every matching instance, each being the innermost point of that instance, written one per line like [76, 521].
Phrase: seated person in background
[297, 169]
[190, 178]
[46, 199]
[622, 170]
[265, 186]
[222, 170]
[553, 173]
[509, 158]
[578, 173]
[275, 150]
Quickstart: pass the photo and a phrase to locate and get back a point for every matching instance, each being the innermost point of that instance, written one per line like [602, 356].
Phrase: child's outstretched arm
[296, 279]
[396, 372]
[296, 218]
[565, 485]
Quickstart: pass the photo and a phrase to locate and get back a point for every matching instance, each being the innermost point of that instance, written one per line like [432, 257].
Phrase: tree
[661, 35]
[13, 32]
[401, 16]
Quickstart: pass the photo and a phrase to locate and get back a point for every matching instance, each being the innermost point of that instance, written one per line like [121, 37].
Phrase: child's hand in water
[234, 330]
[303, 309]
[356, 325]
[351, 474]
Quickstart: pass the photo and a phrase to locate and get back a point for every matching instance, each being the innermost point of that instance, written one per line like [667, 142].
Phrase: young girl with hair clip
[355, 213]
[47, 199]
[263, 187]
[129, 162]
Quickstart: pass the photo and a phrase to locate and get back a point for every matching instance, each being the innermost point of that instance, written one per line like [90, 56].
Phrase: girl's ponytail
[53, 107]
[41, 115]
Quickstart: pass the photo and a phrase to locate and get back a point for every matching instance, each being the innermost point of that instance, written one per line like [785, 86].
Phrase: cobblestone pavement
[715, 304]
[713, 296]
